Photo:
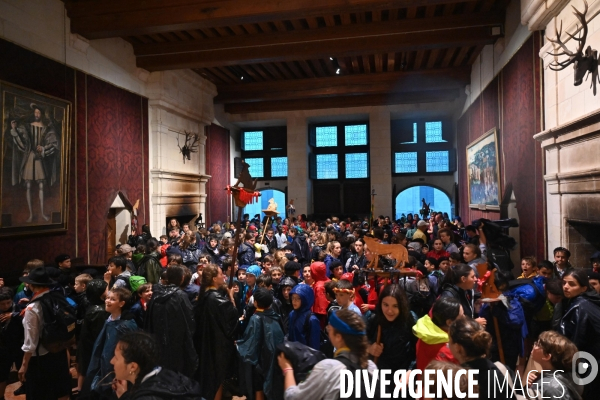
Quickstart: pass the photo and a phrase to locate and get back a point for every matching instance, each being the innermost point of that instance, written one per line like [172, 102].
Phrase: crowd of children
[219, 321]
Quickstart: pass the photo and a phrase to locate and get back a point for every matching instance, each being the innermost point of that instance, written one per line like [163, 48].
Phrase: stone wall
[570, 138]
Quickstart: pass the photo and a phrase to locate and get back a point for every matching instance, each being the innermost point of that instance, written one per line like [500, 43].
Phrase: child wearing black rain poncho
[259, 378]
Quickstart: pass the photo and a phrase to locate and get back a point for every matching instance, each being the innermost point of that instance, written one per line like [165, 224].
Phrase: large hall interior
[335, 105]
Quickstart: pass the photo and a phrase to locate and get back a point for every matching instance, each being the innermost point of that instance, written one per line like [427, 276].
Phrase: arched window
[263, 203]
[409, 200]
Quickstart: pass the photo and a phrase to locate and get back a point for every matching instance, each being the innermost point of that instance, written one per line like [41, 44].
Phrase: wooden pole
[265, 229]
[498, 340]
[237, 242]
[378, 341]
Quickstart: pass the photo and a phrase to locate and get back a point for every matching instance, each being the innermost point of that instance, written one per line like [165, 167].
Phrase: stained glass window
[326, 136]
[406, 162]
[414, 135]
[257, 167]
[433, 132]
[436, 161]
[355, 135]
[279, 167]
[357, 165]
[253, 141]
[327, 166]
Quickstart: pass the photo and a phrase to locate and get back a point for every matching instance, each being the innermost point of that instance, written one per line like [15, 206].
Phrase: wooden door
[111, 233]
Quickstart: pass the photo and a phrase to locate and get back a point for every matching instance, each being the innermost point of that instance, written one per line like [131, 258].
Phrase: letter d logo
[584, 368]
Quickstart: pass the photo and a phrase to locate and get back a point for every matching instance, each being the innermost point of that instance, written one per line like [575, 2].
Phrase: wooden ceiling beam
[431, 96]
[347, 47]
[356, 84]
[327, 34]
[97, 19]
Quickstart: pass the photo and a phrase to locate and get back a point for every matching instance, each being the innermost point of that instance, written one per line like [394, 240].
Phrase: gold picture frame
[34, 163]
[483, 172]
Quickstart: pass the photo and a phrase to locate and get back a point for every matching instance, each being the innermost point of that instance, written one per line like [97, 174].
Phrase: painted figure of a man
[35, 154]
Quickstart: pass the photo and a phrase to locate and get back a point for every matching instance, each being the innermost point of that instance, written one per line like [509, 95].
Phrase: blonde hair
[322, 239]
[83, 278]
[35, 263]
[330, 246]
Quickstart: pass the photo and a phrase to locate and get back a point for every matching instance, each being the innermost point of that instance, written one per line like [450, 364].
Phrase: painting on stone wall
[36, 134]
[483, 174]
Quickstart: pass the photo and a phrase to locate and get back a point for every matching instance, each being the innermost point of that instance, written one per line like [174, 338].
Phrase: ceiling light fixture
[241, 77]
[337, 72]
[331, 58]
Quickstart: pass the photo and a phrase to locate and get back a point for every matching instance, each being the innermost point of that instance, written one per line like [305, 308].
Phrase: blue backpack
[530, 292]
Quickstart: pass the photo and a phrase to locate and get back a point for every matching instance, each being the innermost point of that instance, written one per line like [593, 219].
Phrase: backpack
[531, 294]
[325, 345]
[420, 301]
[302, 357]
[60, 321]
[133, 282]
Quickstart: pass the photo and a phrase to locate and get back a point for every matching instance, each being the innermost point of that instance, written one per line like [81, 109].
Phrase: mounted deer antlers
[190, 146]
[583, 62]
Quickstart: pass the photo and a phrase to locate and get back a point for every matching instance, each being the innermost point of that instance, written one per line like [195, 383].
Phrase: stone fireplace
[572, 176]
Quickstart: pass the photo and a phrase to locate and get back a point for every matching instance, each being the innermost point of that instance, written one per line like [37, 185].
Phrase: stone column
[379, 160]
[178, 101]
[299, 184]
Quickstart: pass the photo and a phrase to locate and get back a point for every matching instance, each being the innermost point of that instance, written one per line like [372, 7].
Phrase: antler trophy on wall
[583, 62]
[190, 146]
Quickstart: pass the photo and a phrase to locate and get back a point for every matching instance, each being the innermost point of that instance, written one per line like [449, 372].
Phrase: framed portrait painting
[483, 174]
[36, 137]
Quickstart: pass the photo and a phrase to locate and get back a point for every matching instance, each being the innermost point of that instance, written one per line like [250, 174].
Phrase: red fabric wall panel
[113, 123]
[115, 156]
[517, 117]
[217, 165]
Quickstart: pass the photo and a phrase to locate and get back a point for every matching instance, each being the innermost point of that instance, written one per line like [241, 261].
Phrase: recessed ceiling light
[337, 72]
[241, 77]
[331, 58]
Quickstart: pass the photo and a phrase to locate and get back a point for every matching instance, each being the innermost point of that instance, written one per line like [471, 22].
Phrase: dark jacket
[258, 349]
[580, 322]
[466, 298]
[301, 249]
[557, 385]
[170, 318]
[150, 268]
[286, 305]
[246, 254]
[217, 320]
[104, 350]
[486, 386]
[399, 342]
[166, 385]
[314, 253]
[93, 321]
[271, 244]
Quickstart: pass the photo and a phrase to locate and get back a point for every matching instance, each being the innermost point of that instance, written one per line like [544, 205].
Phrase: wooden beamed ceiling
[302, 54]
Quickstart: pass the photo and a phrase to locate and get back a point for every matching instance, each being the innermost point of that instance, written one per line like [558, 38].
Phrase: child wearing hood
[304, 326]
[432, 332]
[283, 294]
[318, 271]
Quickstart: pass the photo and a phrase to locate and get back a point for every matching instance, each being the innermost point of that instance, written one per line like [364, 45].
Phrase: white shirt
[33, 323]
[281, 240]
